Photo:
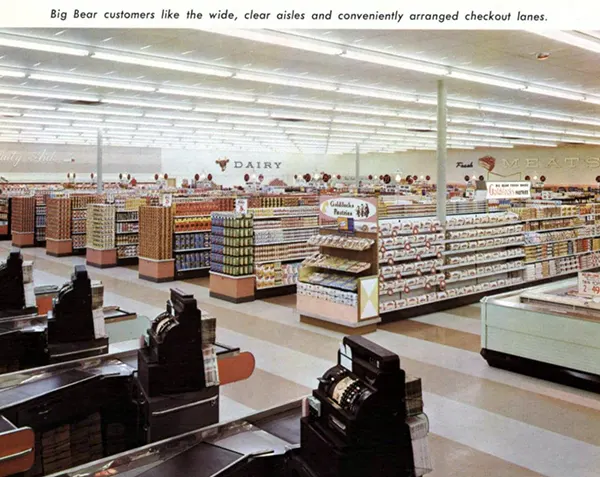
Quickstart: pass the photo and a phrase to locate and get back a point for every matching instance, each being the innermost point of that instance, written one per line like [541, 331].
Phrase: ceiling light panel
[477, 78]
[246, 112]
[55, 47]
[146, 104]
[131, 86]
[284, 81]
[111, 112]
[162, 64]
[394, 61]
[225, 96]
[295, 104]
[47, 94]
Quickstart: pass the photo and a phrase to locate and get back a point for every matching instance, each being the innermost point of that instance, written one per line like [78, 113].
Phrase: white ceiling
[329, 123]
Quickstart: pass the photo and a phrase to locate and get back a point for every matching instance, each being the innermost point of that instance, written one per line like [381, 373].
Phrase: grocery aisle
[484, 421]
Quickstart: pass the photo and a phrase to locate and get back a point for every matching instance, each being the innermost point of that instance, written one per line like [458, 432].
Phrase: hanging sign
[589, 284]
[241, 206]
[359, 209]
[508, 190]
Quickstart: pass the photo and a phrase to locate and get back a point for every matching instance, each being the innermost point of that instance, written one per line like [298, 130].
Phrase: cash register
[175, 390]
[356, 420]
[71, 331]
[12, 287]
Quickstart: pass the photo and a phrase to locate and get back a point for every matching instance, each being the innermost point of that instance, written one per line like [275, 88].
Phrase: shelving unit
[127, 234]
[58, 234]
[23, 221]
[79, 204]
[156, 261]
[281, 234]
[232, 257]
[40, 218]
[100, 236]
[338, 286]
[5, 233]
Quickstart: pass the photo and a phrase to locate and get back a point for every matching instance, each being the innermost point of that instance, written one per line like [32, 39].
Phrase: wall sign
[256, 165]
[361, 210]
[588, 284]
[509, 190]
[464, 165]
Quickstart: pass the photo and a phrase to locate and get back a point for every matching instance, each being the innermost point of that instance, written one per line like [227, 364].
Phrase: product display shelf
[232, 257]
[58, 234]
[127, 228]
[40, 217]
[5, 233]
[100, 236]
[192, 233]
[281, 237]
[79, 204]
[23, 221]
[338, 286]
[482, 252]
[156, 261]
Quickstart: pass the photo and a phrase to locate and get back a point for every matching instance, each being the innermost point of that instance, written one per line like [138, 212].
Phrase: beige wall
[564, 165]
[38, 162]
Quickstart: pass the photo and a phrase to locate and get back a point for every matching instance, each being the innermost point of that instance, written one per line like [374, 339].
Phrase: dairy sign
[359, 209]
[508, 190]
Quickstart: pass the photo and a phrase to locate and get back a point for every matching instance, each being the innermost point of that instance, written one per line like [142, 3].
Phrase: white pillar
[357, 166]
[99, 161]
[442, 156]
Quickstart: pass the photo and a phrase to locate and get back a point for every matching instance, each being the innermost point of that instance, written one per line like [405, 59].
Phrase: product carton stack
[86, 440]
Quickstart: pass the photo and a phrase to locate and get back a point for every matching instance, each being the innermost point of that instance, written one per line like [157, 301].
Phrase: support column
[357, 166]
[99, 162]
[442, 156]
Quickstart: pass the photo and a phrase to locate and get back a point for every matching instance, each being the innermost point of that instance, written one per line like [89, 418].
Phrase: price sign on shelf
[167, 200]
[241, 206]
[589, 284]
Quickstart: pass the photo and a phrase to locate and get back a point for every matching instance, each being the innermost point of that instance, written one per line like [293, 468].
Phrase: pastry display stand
[316, 306]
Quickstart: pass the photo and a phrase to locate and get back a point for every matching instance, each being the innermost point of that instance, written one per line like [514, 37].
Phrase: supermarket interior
[307, 253]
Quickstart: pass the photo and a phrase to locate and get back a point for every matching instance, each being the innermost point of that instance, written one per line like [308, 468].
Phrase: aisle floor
[484, 421]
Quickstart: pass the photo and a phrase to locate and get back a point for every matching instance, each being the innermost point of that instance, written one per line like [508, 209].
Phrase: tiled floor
[484, 421]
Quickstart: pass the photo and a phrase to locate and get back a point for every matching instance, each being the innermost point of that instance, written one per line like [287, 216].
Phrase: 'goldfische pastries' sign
[361, 210]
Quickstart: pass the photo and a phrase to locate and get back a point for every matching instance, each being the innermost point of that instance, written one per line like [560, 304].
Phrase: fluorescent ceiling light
[145, 123]
[360, 122]
[91, 82]
[208, 94]
[379, 94]
[287, 40]
[42, 46]
[295, 104]
[101, 111]
[106, 125]
[147, 104]
[304, 126]
[279, 115]
[477, 78]
[47, 94]
[572, 38]
[592, 99]
[555, 93]
[41, 107]
[371, 112]
[12, 74]
[172, 116]
[285, 81]
[160, 63]
[57, 116]
[396, 62]
[497, 109]
[202, 109]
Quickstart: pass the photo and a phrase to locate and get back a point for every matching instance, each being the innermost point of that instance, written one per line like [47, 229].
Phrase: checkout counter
[363, 419]
[89, 400]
